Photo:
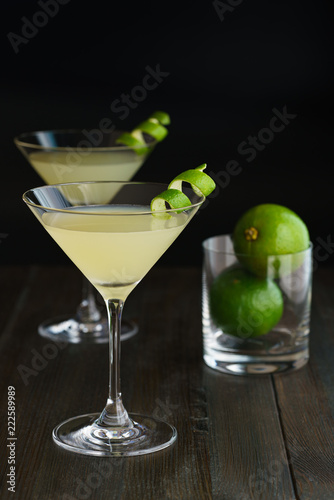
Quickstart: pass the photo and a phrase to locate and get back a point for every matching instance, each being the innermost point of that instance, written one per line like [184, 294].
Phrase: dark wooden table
[262, 437]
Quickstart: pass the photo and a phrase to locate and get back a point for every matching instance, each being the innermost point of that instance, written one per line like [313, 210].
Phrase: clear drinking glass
[110, 233]
[283, 280]
[60, 156]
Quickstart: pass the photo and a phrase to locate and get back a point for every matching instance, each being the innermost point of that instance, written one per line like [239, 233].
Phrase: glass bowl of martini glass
[114, 236]
[61, 156]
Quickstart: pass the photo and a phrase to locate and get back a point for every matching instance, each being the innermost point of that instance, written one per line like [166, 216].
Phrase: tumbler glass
[255, 309]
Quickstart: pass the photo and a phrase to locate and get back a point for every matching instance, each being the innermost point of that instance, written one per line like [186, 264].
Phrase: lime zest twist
[201, 183]
[161, 116]
[154, 126]
[175, 199]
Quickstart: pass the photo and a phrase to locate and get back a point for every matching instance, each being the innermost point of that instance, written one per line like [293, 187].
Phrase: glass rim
[205, 245]
[132, 183]
[19, 141]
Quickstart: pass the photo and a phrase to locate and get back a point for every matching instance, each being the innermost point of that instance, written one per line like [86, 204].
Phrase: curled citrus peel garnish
[161, 116]
[200, 182]
[174, 198]
[154, 126]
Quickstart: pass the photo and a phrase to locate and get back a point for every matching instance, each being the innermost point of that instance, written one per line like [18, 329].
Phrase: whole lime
[244, 305]
[266, 231]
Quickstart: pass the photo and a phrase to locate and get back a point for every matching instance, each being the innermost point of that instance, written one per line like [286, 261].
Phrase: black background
[225, 72]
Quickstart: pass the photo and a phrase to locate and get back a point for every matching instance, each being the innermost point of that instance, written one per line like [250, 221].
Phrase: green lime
[265, 233]
[245, 305]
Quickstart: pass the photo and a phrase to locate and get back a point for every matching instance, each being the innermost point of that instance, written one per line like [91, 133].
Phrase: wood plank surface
[261, 437]
[306, 401]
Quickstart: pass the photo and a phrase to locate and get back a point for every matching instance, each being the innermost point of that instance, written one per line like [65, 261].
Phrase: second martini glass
[114, 244]
[60, 156]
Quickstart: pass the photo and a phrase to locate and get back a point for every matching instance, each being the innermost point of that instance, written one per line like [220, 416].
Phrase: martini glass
[60, 156]
[114, 244]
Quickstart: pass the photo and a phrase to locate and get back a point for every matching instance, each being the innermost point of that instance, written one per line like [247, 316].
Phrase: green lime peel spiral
[154, 126]
[174, 198]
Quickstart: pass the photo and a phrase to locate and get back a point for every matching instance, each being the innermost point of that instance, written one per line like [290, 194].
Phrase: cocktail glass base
[68, 329]
[83, 435]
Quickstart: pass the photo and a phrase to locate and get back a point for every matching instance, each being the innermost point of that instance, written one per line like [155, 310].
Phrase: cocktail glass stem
[115, 309]
[114, 412]
[114, 421]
